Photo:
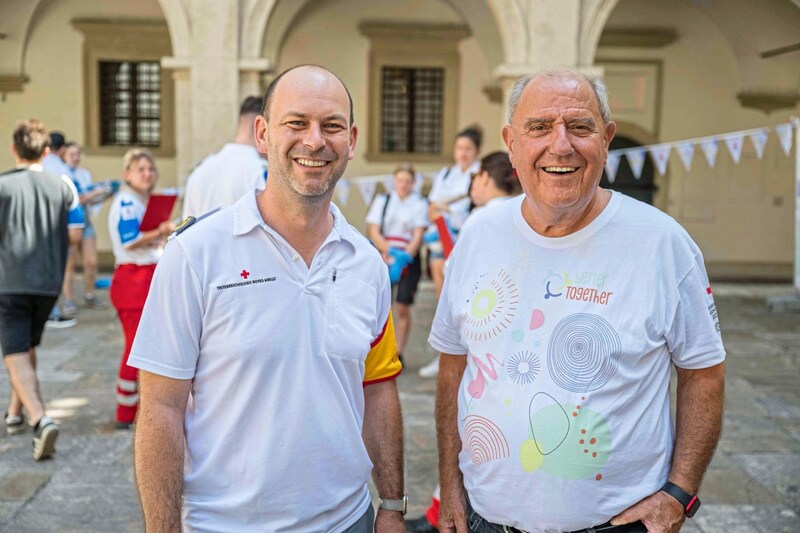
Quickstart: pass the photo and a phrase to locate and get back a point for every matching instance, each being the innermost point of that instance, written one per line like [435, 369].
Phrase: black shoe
[420, 525]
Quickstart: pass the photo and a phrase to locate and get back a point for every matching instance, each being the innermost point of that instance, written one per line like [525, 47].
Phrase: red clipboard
[159, 208]
[444, 235]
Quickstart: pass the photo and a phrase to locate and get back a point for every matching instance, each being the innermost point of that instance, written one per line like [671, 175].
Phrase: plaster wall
[328, 34]
[737, 213]
[54, 93]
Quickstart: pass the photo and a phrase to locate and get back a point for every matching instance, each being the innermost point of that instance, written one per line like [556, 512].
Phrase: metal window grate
[412, 107]
[130, 103]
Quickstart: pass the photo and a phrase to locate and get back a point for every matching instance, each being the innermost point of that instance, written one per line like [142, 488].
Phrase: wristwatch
[690, 502]
[394, 505]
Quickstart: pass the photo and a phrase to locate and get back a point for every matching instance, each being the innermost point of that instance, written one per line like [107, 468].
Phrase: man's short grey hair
[596, 83]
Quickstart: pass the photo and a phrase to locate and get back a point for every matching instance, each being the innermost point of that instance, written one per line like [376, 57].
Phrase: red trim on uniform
[380, 380]
[380, 336]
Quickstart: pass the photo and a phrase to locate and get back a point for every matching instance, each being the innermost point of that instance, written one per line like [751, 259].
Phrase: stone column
[251, 73]
[214, 81]
[183, 115]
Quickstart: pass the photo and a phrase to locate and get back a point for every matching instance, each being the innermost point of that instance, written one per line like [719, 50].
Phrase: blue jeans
[363, 524]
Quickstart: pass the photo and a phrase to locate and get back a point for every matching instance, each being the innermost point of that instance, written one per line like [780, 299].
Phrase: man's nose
[560, 143]
[313, 139]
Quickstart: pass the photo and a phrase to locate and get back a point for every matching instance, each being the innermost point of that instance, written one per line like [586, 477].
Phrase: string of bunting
[660, 153]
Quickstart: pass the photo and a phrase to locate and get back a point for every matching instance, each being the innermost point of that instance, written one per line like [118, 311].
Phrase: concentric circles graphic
[582, 353]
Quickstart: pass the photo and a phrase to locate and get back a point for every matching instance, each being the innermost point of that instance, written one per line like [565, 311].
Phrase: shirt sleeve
[168, 338]
[382, 362]
[75, 213]
[376, 209]
[128, 222]
[445, 333]
[694, 339]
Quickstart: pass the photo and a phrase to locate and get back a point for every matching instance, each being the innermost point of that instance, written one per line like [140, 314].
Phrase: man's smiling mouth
[311, 162]
[560, 170]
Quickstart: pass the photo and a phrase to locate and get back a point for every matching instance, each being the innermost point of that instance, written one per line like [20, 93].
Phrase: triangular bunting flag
[343, 192]
[686, 153]
[367, 190]
[759, 139]
[734, 144]
[785, 135]
[612, 165]
[636, 161]
[660, 154]
[710, 149]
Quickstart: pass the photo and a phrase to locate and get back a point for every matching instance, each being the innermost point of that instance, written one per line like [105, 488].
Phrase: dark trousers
[478, 524]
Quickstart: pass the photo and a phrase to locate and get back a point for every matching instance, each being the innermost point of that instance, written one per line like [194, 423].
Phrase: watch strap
[690, 502]
[394, 505]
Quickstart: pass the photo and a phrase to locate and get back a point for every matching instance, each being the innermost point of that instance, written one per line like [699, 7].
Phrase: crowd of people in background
[220, 382]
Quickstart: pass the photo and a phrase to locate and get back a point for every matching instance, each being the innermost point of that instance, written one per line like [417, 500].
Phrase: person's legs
[25, 383]
[402, 325]
[127, 384]
[89, 255]
[15, 405]
[69, 278]
[437, 274]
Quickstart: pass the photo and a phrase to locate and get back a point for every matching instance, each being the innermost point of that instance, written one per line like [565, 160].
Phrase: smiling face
[403, 183]
[465, 152]
[141, 176]
[558, 143]
[307, 135]
[72, 156]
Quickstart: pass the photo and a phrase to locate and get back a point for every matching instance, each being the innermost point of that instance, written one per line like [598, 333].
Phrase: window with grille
[130, 103]
[411, 112]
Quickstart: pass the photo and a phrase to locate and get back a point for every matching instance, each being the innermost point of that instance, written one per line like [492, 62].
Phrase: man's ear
[261, 132]
[353, 138]
[508, 139]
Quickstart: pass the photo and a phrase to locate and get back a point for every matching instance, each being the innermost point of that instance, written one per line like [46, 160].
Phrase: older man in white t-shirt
[560, 319]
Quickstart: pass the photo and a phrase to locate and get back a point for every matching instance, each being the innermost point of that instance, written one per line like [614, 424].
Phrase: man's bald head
[269, 94]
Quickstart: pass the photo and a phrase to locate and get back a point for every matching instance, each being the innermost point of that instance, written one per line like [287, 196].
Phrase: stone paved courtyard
[753, 484]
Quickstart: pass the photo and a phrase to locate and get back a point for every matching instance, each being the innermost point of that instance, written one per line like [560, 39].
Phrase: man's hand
[453, 511]
[660, 512]
[389, 522]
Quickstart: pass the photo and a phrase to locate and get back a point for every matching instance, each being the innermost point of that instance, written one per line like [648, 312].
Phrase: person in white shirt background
[87, 249]
[136, 253]
[495, 182]
[398, 220]
[449, 196]
[224, 177]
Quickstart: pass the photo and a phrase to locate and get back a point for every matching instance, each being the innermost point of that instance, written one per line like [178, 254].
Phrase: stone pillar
[554, 26]
[214, 81]
[180, 68]
[251, 72]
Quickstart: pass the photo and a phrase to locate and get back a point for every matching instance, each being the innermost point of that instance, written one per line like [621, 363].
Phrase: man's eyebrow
[584, 122]
[537, 122]
[298, 114]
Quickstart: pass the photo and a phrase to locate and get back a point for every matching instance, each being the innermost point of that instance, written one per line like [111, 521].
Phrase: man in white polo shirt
[223, 177]
[560, 319]
[267, 345]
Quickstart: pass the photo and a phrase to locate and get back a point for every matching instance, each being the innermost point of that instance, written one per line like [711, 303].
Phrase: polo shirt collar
[246, 217]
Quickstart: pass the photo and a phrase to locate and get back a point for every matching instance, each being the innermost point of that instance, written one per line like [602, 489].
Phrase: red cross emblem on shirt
[244, 274]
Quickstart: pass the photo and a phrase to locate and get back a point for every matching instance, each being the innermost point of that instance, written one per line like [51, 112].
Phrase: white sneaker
[431, 370]
[44, 438]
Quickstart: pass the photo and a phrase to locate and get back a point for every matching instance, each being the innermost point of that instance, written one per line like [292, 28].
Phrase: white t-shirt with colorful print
[564, 409]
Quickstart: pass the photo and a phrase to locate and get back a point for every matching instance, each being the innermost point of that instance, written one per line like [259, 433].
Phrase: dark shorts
[22, 319]
[409, 280]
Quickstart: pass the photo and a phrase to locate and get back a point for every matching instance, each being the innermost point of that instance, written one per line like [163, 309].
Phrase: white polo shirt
[279, 354]
[403, 215]
[124, 217]
[223, 177]
[452, 182]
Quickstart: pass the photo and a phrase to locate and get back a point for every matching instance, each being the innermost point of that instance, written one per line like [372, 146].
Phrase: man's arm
[698, 425]
[158, 450]
[453, 509]
[383, 437]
